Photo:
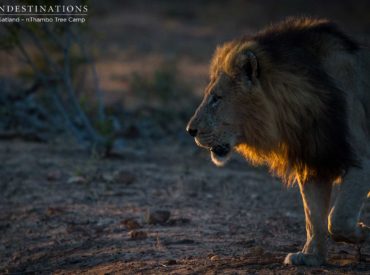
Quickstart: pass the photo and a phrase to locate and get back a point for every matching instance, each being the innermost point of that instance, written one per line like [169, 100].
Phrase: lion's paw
[301, 258]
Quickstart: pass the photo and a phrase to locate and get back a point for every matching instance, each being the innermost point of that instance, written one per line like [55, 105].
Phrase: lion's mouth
[221, 150]
[220, 154]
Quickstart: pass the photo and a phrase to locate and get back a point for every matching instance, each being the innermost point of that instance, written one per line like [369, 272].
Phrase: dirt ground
[67, 213]
[160, 206]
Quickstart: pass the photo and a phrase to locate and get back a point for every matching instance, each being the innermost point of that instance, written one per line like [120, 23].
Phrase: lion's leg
[344, 217]
[316, 200]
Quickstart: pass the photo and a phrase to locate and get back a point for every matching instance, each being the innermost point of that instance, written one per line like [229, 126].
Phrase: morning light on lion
[184, 137]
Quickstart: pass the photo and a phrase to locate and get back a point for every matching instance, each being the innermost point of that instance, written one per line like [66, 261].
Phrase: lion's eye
[215, 100]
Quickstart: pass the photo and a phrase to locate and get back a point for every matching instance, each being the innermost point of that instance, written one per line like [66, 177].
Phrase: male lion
[296, 97]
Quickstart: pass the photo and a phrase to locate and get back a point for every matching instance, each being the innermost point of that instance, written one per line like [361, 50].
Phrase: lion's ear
[248, 65]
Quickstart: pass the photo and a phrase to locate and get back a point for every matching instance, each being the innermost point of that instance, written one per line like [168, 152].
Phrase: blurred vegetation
[57, 62]
[162, 87]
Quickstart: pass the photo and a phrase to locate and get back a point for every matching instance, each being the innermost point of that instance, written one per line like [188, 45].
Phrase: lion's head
[234, 110]
[275, 104]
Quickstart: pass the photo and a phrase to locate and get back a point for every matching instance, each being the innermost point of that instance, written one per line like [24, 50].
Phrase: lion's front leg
[344, 217]
[316, 200]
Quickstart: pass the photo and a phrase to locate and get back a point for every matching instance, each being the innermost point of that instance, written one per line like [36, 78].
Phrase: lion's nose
[192, 132]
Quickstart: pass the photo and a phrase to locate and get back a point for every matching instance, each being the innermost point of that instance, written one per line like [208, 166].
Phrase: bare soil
[65, 212]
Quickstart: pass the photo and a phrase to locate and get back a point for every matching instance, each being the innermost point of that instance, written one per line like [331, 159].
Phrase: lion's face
[215, 121]
[219, 122]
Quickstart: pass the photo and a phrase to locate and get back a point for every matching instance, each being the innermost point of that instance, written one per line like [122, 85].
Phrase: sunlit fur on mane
[301, 128]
